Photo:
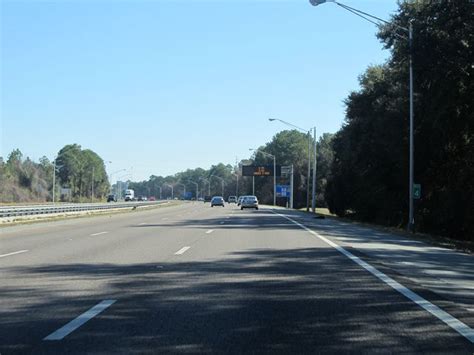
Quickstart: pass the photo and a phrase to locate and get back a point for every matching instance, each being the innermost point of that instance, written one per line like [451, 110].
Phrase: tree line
[290, 148]
[369, 177]
[79, 176]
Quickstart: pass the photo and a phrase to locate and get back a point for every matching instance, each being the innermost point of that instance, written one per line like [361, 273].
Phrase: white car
[239, 200]
[249, 202]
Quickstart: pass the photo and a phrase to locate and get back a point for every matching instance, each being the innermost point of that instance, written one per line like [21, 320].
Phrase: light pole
[120, 187]
[222, 182]
[237, 184]
[184, 187]
[115, 172]
[208, 185]
[308, 132]
[274, 172]
[172, 190]
[54, 180]
[408, 36]
[197, 188]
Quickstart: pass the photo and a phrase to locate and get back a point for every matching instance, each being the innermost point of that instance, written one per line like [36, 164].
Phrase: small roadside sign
[283, 190]
[416, 191]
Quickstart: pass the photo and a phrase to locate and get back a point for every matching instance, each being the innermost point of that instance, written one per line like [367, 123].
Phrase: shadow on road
[258, 301]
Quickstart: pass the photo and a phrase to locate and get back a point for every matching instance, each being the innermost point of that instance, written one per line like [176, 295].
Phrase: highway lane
[199, 279]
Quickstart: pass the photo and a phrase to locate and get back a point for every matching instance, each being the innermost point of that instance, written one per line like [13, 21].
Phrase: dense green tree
[23, 180]
[325, 155]
[370, 171]
[290, 147]
[83, 171]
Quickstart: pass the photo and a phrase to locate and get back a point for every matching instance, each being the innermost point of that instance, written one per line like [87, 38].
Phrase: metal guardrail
[47, 209]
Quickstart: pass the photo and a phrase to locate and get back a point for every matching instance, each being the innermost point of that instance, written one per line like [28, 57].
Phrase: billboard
[260, 170]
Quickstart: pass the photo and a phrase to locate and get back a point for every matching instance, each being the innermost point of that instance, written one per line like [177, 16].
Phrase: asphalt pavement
[196, 279]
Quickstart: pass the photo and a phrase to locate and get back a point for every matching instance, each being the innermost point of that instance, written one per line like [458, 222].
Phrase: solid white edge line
[182, 250]
[444, 316]
[94, 234]
[210, 231]
[80, 320]
[14, 253]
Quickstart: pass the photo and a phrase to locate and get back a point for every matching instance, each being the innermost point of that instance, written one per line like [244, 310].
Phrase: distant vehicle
[207, 198]
[111, 198]
[152, 198]
[217, 201]
[232, 199]
[239, 201]
[142, 198]
[129, 195]
[249, 202]
[201, 199]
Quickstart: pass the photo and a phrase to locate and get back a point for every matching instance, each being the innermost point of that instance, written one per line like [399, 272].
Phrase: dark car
[217, 201]
[111, 198]
[207, 198]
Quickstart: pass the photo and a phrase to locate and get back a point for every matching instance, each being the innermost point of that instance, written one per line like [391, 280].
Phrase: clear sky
[162, 86]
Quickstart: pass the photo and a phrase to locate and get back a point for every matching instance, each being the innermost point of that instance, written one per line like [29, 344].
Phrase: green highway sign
[416, 191]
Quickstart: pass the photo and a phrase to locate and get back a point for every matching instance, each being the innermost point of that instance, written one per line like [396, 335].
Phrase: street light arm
[265, 153]
[361, 14]
[366, 16]
[289, 124]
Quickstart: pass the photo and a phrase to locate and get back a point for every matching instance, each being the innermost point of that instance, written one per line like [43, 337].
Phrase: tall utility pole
[292, 186]
[197, 188]
[309, 171]
[308, 132]
[54, 180]
[172, 190]
[237, 184]
[222, 182]
[411, 218]
[313, 204]
[92, 185]
[184, 188]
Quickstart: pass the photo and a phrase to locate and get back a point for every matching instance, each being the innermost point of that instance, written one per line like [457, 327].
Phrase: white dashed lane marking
[182, 251]
[77, 322]
[13, 253]
[93, 235]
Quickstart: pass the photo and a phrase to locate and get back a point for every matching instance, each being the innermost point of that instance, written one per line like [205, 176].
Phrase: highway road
[195, 279]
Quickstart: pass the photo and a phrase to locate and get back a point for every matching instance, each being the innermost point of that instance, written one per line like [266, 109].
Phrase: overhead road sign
[260, 170]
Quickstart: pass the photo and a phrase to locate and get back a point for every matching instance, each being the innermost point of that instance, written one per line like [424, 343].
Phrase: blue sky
[162, 86]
